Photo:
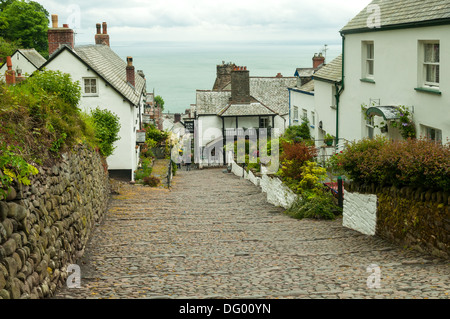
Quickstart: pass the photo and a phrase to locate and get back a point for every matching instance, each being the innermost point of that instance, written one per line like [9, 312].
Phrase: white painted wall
[323, 100]
[18, 62]
[126, 156]
[360, 212]
[396, 76]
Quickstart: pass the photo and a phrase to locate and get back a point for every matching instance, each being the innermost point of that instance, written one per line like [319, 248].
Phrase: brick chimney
[10, 74]
[318, 60]
[240, 85]
[279, 75]
[223, 75]
[130, 72]
[59, 36]
[102, 38]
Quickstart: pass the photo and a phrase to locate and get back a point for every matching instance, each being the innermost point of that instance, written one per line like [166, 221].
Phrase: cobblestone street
[214, 236]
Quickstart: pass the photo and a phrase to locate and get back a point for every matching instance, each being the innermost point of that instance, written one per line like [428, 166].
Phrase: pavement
[213, 235]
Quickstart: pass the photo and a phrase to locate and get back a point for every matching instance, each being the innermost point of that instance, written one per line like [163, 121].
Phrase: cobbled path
[214, 236]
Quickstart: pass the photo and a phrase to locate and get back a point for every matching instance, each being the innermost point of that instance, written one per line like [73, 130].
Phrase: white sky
[207, 20]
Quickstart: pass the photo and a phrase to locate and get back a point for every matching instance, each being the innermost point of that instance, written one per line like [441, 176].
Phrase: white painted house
[397, 53]
[237, 104]
[107, 82]
[24, 63]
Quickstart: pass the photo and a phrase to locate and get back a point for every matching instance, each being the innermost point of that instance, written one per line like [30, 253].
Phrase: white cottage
[24, 63]
[237, 104]
[396, 53]
[107, 82]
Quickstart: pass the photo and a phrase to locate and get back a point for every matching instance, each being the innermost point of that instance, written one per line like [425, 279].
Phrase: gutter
[340, 90]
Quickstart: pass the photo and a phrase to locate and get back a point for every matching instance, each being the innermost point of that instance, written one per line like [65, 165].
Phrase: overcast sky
[208, 20]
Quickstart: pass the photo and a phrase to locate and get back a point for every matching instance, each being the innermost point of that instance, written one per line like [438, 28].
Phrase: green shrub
[315, 205]
[412, 162]
[151, 181]
[293, 157]
[107, 128]
[297, 133]
[156, 135]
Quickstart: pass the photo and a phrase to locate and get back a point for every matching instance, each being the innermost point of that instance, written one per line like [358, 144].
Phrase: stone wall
[413, 218]
[44, 227]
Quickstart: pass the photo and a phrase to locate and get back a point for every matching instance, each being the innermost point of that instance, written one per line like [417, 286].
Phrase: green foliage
[299, 133]
[159, 102]
[151, 181]
[315, 205]
[405, 123]
[59, 84]
[27, 21]
[7, 48]
[413, 162]
[294, 156]
[107, 128]
[145, 170]
[153, 134]
[13, 168]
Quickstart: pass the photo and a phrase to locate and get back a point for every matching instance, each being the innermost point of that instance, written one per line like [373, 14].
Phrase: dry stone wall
[44, 227]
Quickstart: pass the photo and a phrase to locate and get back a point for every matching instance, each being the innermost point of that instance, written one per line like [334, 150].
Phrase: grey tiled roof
[33, 56]
[304, 72]
[254, 108]
[331, 72]
[395, 12]
[308, 87]
[211, 102]
[271, 92]
[103, 60]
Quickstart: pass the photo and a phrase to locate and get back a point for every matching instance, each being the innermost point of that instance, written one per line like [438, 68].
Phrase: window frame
[90, 85]
[265, 120]
[296, 113]
[368, 59]
[425, 64]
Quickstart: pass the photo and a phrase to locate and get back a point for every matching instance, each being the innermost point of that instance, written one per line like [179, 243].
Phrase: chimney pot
[99, 28]
[65, 26]
[10, 74]
[105, 28]
[9, 63]
[131, 76]
[54, 20]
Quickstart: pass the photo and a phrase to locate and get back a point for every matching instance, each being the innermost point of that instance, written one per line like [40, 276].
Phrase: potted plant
[328, 139]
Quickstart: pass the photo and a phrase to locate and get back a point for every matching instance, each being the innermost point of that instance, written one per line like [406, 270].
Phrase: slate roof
[271, 93]
[109, 66]
[254, 108]
[401, 12]
[304, 72]
[112, 68]
[331, 72]
[33, 56]
[307, 87]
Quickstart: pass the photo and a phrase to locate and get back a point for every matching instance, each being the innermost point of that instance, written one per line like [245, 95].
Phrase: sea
[175, 70]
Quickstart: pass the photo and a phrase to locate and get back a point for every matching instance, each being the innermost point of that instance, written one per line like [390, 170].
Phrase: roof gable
[332, 72]
[107, 65]
[401, 13]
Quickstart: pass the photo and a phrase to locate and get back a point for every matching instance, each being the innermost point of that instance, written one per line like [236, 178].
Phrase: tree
[107, 128]
[26, 21]
[7, 48]
[159, 102]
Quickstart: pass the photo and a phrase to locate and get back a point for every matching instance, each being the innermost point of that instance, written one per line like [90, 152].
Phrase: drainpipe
[340, 90]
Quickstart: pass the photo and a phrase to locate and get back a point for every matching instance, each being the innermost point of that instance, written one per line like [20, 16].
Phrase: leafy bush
[152, 133]
[107, 128]
[412, 162]
[151, 181]
[297, 133]
[315, 205]
[145, 170]
[294, 156]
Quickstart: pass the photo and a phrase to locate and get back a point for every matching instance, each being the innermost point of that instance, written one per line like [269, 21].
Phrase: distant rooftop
[401, 13]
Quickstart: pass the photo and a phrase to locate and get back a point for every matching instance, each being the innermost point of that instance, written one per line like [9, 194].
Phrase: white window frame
[368, 59]
[85, 86]
[305, 113]
[313, 119]
[296, 114]
[424, 64]
[264, 122]
[432, 133]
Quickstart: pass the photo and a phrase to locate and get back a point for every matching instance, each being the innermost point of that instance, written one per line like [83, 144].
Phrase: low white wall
[360, 212]
[278, 194]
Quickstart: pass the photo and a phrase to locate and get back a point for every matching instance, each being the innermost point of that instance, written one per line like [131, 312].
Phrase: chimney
[279, 75]
[318, 60]
[223, 75]
[10, 74]
[102, 37]
[130, 71]
[240, 85]
[59, 36]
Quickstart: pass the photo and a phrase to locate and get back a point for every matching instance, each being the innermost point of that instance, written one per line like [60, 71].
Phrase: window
[305, 114]
[432, 133]
[90, 86]
[264, 122]
[368, 60]
[431, 61]
[295, 113]
[370, 124]
[313, 118]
